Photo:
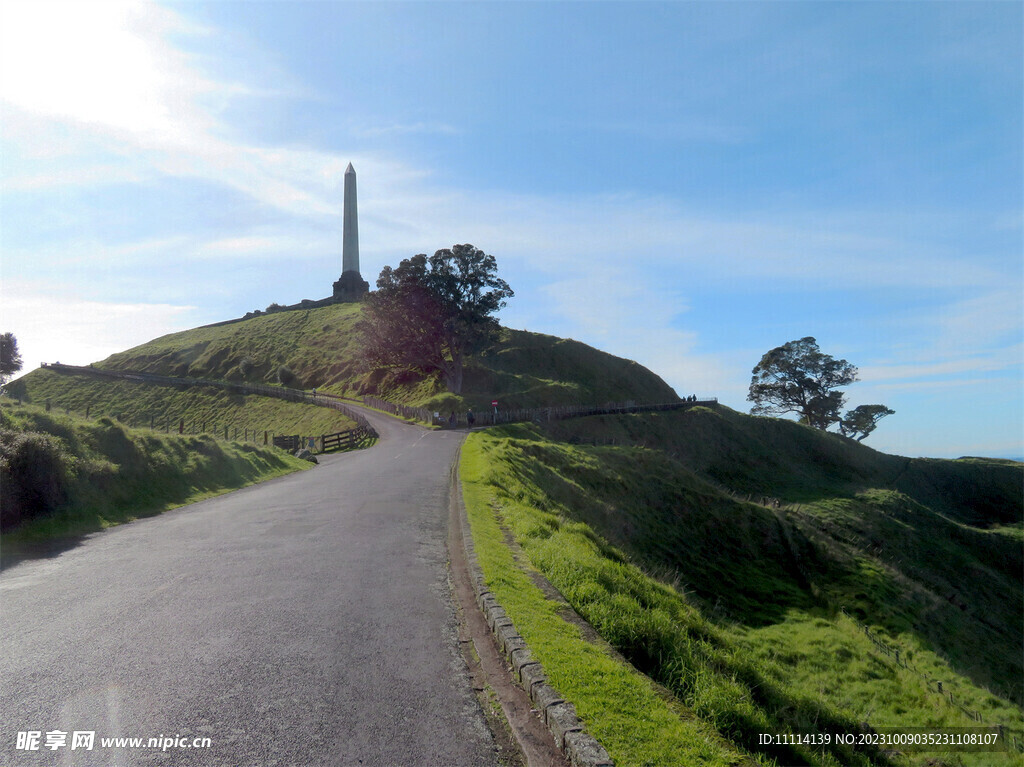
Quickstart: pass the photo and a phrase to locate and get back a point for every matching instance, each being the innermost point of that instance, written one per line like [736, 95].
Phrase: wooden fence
[327, 443]
[344, 440]
[289, 442]
[263, 390]
[899, 657]
[402, 411]
[496, 416]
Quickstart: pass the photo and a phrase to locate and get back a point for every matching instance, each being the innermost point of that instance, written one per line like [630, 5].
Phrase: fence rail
[421, 414]
[344, 440]
[289, 442]
[280, 392]
[516, 415]
[894, 652]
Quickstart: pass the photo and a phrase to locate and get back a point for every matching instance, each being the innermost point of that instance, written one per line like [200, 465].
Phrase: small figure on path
[451, 420]
[470, 418]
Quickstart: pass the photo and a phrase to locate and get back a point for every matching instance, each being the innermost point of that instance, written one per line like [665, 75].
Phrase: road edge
[552, 710]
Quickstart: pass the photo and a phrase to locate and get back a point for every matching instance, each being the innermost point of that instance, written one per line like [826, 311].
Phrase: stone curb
[581, 748]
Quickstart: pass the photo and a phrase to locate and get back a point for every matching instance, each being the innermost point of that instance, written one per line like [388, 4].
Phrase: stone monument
[350, 286]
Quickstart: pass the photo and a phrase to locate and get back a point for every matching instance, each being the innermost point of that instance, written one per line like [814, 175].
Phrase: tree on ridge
[429, 314]
[862, 420]
[798, 377]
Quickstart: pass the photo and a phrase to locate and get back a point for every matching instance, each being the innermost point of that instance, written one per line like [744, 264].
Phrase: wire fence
[263, 390]
[900, 657]
[496, 415]
[193, 425]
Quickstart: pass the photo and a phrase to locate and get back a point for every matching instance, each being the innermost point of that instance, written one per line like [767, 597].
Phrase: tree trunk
[453, 377]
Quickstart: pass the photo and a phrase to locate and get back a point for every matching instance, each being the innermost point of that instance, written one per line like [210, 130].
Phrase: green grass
[140, 404]
[735, 607]
[321, 348]
[100, 473]
[923, 546]
[619, 706]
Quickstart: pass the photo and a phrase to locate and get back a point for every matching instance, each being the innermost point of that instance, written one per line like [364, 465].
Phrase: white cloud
[92, 78]
[54, 329]
[106, 64]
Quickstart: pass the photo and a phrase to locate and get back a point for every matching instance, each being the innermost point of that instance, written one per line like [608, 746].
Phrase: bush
[285, 376]
[33, 476]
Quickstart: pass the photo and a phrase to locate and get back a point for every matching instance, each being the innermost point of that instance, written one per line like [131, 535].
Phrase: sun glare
[104, 64]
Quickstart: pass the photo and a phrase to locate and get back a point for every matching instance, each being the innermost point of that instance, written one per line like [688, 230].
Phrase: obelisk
[351, 286]
[350, 230]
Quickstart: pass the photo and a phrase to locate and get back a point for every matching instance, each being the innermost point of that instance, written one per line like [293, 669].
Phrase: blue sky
[684, 184]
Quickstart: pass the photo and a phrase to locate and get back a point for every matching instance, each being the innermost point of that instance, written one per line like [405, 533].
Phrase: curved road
[303, 621]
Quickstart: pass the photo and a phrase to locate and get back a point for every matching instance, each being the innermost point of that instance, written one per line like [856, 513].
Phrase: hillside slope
[63, 476]
[770, 531]
[925, 546]
[318, 348]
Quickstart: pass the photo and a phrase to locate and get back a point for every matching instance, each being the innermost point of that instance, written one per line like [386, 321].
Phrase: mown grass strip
[619, 706]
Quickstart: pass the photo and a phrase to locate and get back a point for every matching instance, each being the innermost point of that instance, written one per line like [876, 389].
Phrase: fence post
[181, 426]
[264, 437]
[47, 404]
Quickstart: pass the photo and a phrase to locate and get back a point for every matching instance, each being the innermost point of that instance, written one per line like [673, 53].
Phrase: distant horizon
[684, 184]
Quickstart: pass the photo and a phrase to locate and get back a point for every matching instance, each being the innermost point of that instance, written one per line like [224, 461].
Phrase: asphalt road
[304, 621]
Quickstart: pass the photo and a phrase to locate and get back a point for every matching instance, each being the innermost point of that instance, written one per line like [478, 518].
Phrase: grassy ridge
[319, 347]
[87, 475]
[137, 403]
[855, 528]
[751, 637]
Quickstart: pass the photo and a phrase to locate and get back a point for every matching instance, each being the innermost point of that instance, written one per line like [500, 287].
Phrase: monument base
[350, 287]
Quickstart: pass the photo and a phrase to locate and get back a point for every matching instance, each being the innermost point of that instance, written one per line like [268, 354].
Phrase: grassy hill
[736, 560]
[201, 408]
[64, 476]
[318, 348]
[772, 547]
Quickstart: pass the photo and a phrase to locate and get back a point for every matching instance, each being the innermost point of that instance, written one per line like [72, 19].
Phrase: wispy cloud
[44, 324]
[405, 129]
[132, 94]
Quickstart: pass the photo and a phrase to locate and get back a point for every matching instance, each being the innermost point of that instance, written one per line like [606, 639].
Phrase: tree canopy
[430, 313]
[10, 357]
[861, 421]
[798, 377]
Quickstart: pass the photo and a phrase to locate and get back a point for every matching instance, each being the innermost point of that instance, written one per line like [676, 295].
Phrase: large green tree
[10, 357]
[798, 377]
[430, 313]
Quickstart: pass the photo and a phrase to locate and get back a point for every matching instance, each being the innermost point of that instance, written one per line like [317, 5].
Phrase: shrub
[33, 476]
[285, 376]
